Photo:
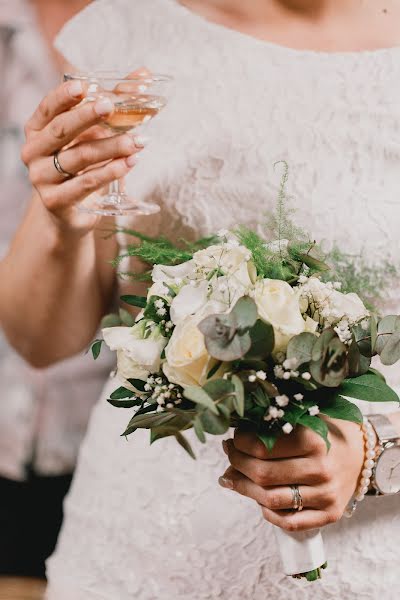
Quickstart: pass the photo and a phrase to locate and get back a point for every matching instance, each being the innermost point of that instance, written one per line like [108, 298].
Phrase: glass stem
[115, 191]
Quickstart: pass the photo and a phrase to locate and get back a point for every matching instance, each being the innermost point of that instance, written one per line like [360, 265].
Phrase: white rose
[189, 300]
[278, 304]
[349, 306]
[135, 354]
[166, 273]
[187, 360]
[232, 260]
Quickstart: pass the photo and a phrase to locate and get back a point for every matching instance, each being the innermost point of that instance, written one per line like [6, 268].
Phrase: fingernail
[225, 446]
[226, 483]
[131, 160]
[75, 89]
[141, 140]
[104, 106]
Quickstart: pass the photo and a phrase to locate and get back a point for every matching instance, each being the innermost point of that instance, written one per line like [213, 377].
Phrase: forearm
[395, 418]
[52, 294]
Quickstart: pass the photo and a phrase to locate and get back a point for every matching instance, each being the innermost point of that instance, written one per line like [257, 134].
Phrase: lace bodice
[149, 523]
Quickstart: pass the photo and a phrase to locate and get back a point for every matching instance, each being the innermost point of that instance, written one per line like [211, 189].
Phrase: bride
[313, 82]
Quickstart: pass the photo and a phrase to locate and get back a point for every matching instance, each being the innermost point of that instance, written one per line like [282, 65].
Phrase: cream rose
[187, 360]
[137, 357]
[278, 304]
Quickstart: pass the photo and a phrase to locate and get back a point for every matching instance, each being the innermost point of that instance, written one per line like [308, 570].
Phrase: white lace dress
[148, 523]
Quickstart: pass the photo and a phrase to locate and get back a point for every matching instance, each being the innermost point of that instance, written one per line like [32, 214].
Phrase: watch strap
[384, 428]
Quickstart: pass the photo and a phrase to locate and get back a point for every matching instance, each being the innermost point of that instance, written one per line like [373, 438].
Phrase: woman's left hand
[326, 479]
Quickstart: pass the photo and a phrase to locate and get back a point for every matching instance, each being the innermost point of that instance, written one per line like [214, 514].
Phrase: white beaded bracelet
[366, 474]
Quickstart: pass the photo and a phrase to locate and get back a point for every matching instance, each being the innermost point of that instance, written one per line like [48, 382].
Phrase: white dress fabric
[148, 523]
[43, 412]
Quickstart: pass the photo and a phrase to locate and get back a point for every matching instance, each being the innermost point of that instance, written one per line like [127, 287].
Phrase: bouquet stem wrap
[301, 551]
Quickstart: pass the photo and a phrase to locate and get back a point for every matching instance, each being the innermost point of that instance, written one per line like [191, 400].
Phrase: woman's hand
[96, 159]
[326, 480]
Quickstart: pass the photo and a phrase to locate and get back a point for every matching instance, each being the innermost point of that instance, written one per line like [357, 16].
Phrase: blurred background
[42, 417]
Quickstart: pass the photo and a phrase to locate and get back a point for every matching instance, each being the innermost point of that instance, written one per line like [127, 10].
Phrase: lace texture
[149, 523]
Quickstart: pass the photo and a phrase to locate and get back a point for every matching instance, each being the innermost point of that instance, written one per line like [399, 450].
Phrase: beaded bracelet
[368, 466]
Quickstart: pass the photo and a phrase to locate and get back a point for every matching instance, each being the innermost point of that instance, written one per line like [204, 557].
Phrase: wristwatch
[386, 472]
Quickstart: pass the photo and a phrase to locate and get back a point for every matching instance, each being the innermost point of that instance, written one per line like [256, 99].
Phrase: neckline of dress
[213, 26]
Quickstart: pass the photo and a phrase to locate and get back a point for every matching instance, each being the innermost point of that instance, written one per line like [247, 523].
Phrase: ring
[59, 167]
[297, 498]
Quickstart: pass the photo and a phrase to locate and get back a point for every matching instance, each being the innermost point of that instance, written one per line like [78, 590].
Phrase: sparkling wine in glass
[137, 100]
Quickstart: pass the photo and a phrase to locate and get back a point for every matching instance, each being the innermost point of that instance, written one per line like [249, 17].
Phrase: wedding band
[297, 498]
[59, 168]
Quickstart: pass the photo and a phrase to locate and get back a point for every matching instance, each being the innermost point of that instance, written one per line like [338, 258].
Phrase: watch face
[387, 471]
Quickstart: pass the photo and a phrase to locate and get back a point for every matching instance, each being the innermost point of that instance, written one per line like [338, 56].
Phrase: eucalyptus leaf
[301, 346]
[199, 396]
[245, 313]
[126, 317]
[386, 327]
[238, 399]
[236, 348]
[262, 340]
[214, 424]
[216, 388]
[111, 320]
[362, 337]
[358, 363]
[391, 351]
[199, 431]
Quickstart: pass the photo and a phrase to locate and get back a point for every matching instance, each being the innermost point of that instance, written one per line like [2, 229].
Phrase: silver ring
[59, 168]
[298, 503]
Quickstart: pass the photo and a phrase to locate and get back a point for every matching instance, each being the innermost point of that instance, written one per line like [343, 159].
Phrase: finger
[135, 81]
[61, 197]
[61, 99]
[273, 472]
[301, 442]
[301, 521]
[67, 126]
[80, 157]
[274, 498]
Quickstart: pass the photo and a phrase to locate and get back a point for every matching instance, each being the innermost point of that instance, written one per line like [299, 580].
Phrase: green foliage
[138, 301]
[339, 408]
[317, 425]
[368, 387]
[96, 348]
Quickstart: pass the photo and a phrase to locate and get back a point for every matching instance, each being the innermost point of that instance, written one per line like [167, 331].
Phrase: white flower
[189, 300]
[261, 375]
[187, 360]
[298, 397]
[278, 304]
[290, 363]
[287, 428]
[136, 357]
[233, 261]
[273, 412]
[168, 274]
[282, 400]
[313, 410]
[306, 376]
[159, 303]
[161, 312]
[252, 378]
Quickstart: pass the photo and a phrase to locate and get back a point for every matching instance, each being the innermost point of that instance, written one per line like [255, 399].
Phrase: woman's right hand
[82, 148]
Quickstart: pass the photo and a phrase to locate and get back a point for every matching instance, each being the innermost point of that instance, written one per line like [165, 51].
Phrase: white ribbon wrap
[301, 551]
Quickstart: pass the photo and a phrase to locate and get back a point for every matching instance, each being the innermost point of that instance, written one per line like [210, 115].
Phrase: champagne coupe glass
[137, 100]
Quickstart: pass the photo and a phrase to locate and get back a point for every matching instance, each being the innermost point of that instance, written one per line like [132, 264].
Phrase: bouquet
[239, 332]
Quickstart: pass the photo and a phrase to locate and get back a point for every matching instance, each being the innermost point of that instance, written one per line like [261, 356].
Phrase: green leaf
[138, 384]
[111, 320]
[219, 387]
[386, 327]
[358, 363]
[199, 396]
[301, 346]
[182, 441]
[391, 351]
[126, 317]
[368, 387]
[340, 408]
[125, 403]
[262, 340]
[261, 398]
[214, 369]
[138, 301]
[268, 439]
[374, 332]
[317, 425]
[238, 400]
[122, 392]
[199, 431]
[214, 424]
[245, 313]
[96, 348]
